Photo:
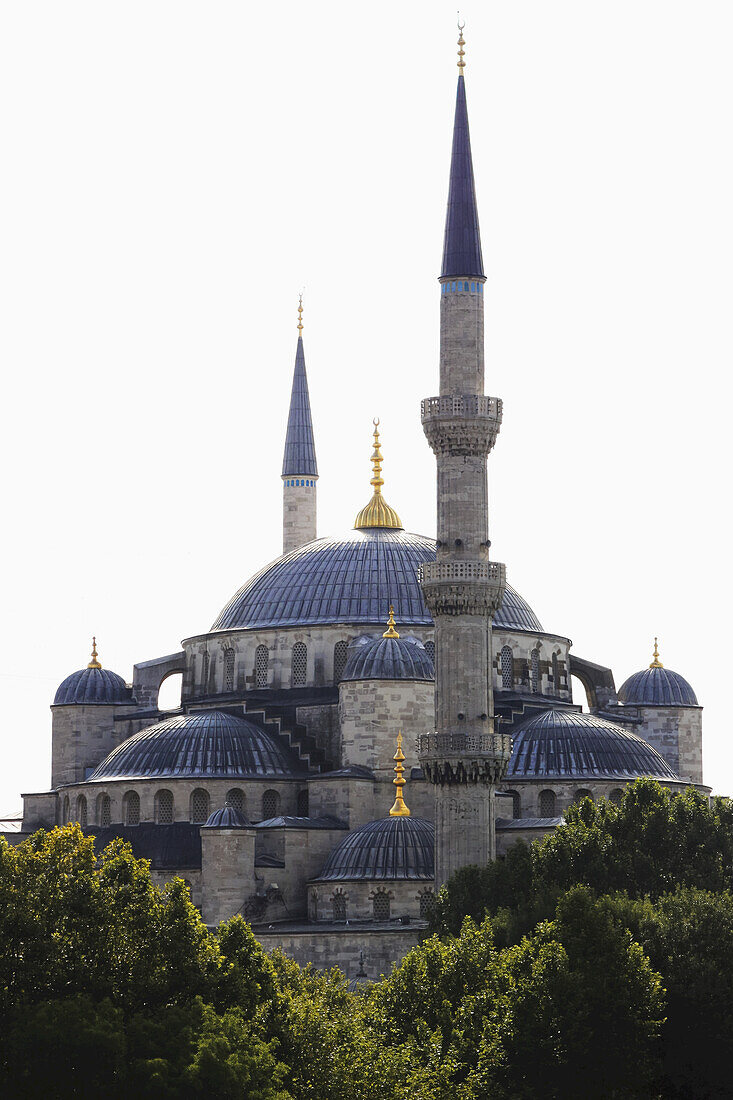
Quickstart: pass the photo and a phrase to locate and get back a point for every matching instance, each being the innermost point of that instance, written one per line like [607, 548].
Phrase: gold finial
[399, 809]
[390, 632]
[377, 512]
[94, 663]
[300, 314]
[656, 663]
[461, 44]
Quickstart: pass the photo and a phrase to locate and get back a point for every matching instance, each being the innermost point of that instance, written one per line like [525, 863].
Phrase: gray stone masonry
[326, 947]
[373, 712]
[406, 899]
[81, 737]
[676, 734]
[227, 872]
[299, 512]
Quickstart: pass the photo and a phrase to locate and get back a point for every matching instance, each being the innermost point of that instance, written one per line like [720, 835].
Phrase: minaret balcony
[457, 758]
[461, 424]
[463, 587]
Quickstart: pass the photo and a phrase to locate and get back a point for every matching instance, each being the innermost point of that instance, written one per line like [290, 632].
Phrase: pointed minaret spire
[300, 470]
[462, 242]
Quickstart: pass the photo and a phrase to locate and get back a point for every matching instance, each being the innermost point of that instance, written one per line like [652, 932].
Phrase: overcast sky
[173, 174]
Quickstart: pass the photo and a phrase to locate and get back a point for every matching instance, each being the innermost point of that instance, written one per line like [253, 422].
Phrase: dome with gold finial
[377, 513]
[93, 686]
[388, 657]
[657, 686]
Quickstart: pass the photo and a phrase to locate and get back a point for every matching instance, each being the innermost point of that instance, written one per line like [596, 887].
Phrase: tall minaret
[465, 757]
[300, 470]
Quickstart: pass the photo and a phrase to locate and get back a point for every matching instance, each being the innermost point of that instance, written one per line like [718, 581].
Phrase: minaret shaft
[300, 470]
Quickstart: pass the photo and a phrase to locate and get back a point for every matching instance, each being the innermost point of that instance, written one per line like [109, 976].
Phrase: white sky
[174, 172]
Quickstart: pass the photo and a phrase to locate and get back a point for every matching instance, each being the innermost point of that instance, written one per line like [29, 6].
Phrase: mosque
[369, 669]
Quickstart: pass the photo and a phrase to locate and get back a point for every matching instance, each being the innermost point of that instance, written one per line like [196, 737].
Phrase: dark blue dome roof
[92, 686]
[228, 817]
[388, 659]
[392, 848]
[565, 743]
[350, 579]
[208, 744]
[657, 687]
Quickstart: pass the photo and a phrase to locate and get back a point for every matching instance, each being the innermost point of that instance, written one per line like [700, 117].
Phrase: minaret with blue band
[464, 757]
[300, 470]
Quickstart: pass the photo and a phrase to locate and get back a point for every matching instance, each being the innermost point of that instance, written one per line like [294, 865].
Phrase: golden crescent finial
[391, 631]
[94, 663]
[300, 314]
[461, 44]
[656, 663]
[399, 809]
[377, 512]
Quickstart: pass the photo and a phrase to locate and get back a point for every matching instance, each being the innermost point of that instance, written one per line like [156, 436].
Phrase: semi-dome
[93, 686]
[350, 578]
[227, 817]
[208, 744]
[392, 848]
[657, 686]
[388, 658]
[562, 743]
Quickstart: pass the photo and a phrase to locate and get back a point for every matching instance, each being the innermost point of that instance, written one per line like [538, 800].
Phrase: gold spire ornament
[656, 663]
[300, 314]
[399, 809]
[461, 44]
[94, 663]
[391, 631]
[377, 513]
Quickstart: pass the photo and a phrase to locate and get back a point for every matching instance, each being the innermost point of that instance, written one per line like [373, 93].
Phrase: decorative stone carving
[462, 424]
[463, 587]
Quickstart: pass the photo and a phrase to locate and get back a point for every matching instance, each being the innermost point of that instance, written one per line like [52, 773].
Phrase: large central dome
[352, 578]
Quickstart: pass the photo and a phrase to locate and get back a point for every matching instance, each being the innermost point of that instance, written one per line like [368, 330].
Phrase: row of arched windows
[381, 905]
[199, 807]
[506, 669]
[547, 802]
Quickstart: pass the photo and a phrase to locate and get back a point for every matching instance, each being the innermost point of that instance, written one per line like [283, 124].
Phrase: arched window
[547, 803]
[616, 796]
[199, 806]
[555, 674]
[299, 666]
[516, 804]
[380, 905]
[427, 904]
[81, 811]
[229, 669]
[205, 673]
[164, 807]
[261, 659]
[507, 668]
[235, 798]
[535, 665]
[104, 810]
[303, 802]
[339, 906]
[131, 808]
[340, 651]
[66, 812]
[430, 650]
[583, 793]
[270, 805]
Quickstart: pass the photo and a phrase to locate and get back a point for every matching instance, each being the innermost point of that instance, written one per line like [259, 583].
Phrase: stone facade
[365, 901]
[325, 947]
[227, 872]
[299, 512]
[372, 711]
[676, 733]
[81, 737]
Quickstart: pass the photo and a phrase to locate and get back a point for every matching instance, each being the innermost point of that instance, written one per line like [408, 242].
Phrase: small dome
[565, 743]
[383, 658]
[392, 848]
[209, 744]
[657, 687]
[228, 817]
[93, 686]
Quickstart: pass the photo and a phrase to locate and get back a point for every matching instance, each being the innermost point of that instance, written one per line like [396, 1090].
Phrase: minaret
[300, 470]
[464, 757]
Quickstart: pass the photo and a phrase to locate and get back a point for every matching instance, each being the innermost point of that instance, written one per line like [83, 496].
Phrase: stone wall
[227, 872]
[372, 712]
[676, 734]
[334, 901]
[81, 737]
[299, 512]
[566, 792]
[325, 948]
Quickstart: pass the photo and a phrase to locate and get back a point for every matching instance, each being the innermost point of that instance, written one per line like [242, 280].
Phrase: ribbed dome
[657, 687]
[350, 579]
[228, 817]
[392, 848]
[92, 686]
[208, 744]
[565, 743]
[388, 659]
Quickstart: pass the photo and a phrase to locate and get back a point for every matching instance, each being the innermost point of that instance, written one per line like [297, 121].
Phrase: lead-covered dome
[209, 744]
[380, 658]
[564, 743]
[657, 687]
[350, 578]
[392, 848]
[227, 817]
[93, 686]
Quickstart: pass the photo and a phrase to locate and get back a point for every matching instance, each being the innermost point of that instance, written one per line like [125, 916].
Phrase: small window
[261, 659]
[473, 288]
[66, 812]
[583, 793]
[555, 674]
[430, 650]
[339, 907]
[104, 810]
[164, 807]
[199, 806]
[516, 804]
[535, 665]
[303, 802]
[205, 673]
[81, 811]
[507, 668]
[380, 905]
[270, 805]
[299, 666]
[547, 804]
[131, 807]
[427, 904]
[235, 798]
[453, 288]
[340, 651]
[229, 669]
[616, 796]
